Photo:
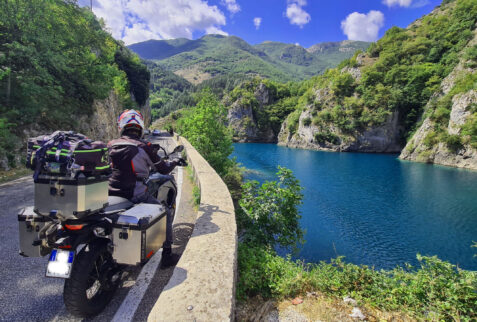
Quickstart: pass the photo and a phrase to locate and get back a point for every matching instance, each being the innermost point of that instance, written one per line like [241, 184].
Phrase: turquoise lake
[373, 208]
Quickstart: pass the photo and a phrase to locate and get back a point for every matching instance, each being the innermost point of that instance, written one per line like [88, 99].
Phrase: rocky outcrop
[243, 118]
[101, 125]
[463, 154]
[381, 139]
[463, 157]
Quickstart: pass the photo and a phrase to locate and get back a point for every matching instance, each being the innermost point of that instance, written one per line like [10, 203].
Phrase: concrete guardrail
[202, 287]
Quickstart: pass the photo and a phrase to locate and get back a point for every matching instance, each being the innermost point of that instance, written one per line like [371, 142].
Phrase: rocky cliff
[416, 85]
[246, 117]
[102, 124]
[312, 127]
[448, 134]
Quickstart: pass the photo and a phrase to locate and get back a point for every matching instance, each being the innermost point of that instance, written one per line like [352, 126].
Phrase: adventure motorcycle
[92, 238]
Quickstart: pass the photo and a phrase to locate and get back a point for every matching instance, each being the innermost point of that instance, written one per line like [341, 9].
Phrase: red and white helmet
[130, 119]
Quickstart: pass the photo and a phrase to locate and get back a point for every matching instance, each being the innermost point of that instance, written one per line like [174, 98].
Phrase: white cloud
[216, 31]
[257, 21]
[406, 3]
[231, 5]
[400, 3]
[137, 33]
[364, 27]
[296, 14]
[138, 20]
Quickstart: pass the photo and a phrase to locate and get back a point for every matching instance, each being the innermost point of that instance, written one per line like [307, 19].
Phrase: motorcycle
[91, 244]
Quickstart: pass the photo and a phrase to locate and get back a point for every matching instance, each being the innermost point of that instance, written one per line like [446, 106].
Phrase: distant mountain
[334, 53]
[215, 55]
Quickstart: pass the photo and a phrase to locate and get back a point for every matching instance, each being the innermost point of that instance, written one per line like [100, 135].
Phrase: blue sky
[306, 22]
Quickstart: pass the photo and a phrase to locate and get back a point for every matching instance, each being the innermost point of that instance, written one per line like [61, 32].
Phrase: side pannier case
[30, 225]
[138, 233]
[70, 198]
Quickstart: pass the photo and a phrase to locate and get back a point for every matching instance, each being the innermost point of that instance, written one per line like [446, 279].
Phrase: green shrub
[436, 290]
[471, 57]
[441, 115]
[323, 137]
[431, 139]
[307, 121]
[453, 142]
[268, 213]
[469, 129]
[293, 121]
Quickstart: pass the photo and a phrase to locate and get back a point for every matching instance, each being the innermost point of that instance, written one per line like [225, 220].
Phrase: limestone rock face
[464, 157]
[384, 138]
[243, 119]
[101, 125]
[242, 123]
[380, 139]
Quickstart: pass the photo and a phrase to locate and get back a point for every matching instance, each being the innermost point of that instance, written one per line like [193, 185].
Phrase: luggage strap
[56, 139]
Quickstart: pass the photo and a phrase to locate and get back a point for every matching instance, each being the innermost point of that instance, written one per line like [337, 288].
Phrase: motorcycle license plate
[60, 263]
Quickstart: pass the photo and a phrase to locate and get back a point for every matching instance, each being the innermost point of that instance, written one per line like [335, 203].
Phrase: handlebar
[157, 147]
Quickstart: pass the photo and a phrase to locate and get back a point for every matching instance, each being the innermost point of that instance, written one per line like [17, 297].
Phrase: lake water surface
[374, 209]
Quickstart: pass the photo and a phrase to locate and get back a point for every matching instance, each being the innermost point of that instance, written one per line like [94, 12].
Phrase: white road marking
[128, 308]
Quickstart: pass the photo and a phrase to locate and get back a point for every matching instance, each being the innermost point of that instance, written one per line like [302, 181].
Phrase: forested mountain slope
[216, 55]
[59, 69]
[182, 67]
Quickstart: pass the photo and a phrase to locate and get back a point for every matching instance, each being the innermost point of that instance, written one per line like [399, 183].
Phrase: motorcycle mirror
[178, 148]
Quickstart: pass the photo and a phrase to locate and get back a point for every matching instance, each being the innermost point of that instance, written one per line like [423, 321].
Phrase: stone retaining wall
[202, 287]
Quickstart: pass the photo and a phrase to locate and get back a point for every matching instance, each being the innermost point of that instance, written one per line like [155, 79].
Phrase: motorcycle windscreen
[60, 263]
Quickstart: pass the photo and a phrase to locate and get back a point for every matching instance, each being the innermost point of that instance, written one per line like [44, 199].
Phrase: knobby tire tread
[74, 293]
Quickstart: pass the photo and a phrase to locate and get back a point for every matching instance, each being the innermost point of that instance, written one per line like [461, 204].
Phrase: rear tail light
[74, 227]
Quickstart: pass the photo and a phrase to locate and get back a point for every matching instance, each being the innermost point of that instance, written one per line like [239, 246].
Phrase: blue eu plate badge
[60, 263]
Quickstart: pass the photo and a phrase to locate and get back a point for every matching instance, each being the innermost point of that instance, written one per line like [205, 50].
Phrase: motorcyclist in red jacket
[132, 159]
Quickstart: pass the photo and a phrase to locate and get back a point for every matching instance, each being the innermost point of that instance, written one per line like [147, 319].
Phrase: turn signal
[74, 227]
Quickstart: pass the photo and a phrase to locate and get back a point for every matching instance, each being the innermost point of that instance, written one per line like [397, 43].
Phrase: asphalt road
[27, 295]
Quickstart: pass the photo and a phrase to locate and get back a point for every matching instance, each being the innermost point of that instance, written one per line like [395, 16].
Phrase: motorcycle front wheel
[90, 288]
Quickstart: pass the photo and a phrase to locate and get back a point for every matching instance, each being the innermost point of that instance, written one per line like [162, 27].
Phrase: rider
[131, 160]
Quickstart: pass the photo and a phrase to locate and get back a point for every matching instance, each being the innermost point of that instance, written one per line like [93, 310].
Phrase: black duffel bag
[67, 153]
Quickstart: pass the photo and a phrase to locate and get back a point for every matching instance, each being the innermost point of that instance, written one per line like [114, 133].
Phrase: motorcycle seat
[117, 204]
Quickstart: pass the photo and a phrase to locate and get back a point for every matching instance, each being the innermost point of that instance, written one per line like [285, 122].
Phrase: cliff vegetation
[56, 60]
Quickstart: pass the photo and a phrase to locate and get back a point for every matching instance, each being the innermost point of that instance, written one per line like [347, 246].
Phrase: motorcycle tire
[89, 288]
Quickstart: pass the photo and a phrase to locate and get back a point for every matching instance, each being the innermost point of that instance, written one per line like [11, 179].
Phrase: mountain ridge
[215, 55]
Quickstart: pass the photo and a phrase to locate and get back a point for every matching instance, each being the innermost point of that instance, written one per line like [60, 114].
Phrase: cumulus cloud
[364, 27]
[296, 14]
[406, 3]
[257, 21]
[231, 5]
[138, 20]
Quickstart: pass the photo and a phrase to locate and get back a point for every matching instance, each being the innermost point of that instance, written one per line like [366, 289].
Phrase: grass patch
[196, 196]
[13, 174]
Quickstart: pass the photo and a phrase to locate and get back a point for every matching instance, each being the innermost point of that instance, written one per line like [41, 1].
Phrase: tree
[268, 214]
[204, 127]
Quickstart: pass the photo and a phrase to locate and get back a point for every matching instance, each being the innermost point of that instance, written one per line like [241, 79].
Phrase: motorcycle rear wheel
[89, 289]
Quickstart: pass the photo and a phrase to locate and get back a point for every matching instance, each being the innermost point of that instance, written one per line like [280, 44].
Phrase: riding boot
[168, 258]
